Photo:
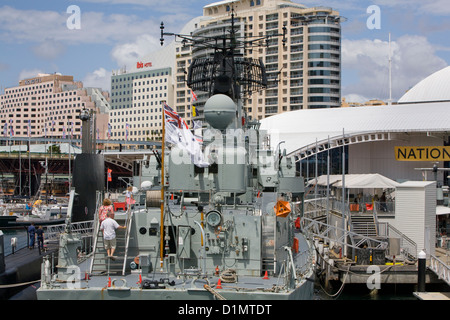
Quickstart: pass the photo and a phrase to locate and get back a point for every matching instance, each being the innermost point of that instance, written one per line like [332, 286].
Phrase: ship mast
[161, 242]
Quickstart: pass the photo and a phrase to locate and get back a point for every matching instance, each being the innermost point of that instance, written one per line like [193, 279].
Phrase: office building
[137, 96]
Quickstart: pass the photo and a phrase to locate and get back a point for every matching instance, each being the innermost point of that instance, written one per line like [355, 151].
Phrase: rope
[214, 292]
[345, 278]
[228, 276]
[4, 286]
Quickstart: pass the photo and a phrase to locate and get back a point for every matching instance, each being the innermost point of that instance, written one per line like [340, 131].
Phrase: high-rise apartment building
[49, 105]
[304, 72]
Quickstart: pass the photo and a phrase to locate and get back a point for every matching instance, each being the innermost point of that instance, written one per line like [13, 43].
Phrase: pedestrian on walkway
[109, 227]
[40, 238]
[32, 235]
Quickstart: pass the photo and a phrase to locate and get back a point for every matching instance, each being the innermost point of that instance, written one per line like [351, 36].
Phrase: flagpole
[161, 240]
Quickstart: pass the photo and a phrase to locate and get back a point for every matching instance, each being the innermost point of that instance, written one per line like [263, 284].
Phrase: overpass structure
[25, 161]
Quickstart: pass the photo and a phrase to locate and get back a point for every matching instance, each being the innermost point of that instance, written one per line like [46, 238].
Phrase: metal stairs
[364, 224]
[101, 264]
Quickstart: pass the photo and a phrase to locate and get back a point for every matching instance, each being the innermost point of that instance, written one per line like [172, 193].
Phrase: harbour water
[361, 292]
[20, 234]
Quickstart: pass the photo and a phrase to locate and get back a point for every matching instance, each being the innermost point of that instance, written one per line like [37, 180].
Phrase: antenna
[226, 71]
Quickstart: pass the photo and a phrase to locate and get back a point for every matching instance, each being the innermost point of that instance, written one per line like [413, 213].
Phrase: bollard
[422, 266]
[13, 244]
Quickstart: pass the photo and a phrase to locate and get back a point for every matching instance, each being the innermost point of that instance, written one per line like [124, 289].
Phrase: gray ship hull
[127, 288]
[304, 292]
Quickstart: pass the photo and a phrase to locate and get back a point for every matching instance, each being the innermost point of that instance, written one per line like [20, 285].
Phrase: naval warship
[224, 222]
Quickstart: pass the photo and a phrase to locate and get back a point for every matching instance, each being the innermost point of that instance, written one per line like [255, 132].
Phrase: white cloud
[100, 78]
[355, 98]
[413, 59]
[27, 74]
[435, 7]
[128, 54]
[19, 26]
[49, 49]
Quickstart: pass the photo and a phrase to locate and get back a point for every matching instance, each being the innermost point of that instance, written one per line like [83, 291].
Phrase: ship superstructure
[224, 221]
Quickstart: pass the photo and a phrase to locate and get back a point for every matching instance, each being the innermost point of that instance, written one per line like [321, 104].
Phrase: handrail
[53, 231]
[441, 269]
[410, 247]
[127, 237]
[96, 229]
[322, 230]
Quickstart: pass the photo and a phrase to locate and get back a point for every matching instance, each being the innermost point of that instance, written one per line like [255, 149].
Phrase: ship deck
[190, 285]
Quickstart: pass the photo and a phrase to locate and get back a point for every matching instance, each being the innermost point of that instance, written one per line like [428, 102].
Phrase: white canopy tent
[356, 181]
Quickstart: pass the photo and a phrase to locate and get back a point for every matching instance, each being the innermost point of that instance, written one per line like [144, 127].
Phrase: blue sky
[35, 38]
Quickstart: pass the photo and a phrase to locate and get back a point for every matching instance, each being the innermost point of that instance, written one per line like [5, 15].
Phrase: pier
[360, 248]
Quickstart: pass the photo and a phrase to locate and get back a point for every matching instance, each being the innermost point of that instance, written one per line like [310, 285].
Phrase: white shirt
[109, 227]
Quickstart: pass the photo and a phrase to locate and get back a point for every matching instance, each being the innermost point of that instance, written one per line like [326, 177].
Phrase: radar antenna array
[226, 71]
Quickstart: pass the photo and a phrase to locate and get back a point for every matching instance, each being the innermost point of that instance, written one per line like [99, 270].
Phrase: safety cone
[266, 276]
[219, 284]
[109, 282]
[140, 279]
[86, 276]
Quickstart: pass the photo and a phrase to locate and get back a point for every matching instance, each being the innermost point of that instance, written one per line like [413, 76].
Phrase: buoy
[266, 276]
[219, 284]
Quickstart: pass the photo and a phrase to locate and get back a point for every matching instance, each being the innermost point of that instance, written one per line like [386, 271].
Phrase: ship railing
[129, 221]
[83, 228]
[95, 228]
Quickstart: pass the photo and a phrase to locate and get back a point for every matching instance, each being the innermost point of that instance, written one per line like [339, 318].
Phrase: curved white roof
[433, 88]
[303, 128]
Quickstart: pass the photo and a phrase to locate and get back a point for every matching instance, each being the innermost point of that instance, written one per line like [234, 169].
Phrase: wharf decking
[346, 271]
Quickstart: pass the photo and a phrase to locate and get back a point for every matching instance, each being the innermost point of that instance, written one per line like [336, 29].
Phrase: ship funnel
[220, 111]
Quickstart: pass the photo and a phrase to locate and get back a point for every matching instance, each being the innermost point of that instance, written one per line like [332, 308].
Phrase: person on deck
[109, 227]
[32, 234]
[104, 209]
[40, 238]
[129, 198]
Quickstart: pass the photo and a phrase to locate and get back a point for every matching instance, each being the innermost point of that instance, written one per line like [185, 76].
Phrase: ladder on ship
[100, 263]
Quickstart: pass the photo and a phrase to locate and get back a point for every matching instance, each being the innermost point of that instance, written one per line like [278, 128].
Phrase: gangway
[440, 268]
[339, 235]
